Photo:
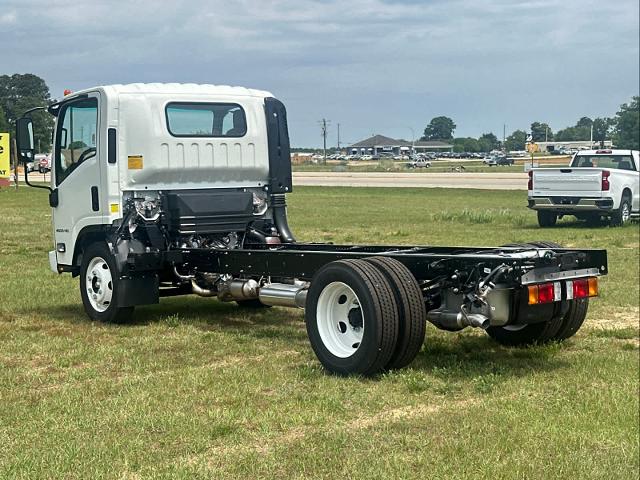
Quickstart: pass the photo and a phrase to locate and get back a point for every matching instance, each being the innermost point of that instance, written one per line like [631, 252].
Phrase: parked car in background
[597, 184]
[504, 161]
[498, 160]
[30, 167]
[419, 163]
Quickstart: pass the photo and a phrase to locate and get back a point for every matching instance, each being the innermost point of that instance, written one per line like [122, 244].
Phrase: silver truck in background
[597, 184]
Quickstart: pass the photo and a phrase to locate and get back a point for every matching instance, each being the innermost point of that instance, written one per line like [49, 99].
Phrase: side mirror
[24, 139]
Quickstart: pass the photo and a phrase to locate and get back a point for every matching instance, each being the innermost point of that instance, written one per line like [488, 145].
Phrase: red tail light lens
[545, 293]
[605, 180]
[530, 184]
[581, 288]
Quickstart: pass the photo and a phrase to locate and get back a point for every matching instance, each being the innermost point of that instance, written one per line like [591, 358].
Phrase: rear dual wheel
[560, 327]
[364, 316]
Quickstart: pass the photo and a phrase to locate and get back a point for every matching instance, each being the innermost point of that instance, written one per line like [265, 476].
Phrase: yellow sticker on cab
[135, 162]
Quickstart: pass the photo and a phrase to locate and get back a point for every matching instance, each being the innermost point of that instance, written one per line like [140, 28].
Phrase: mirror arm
[26, 180]
[35, 109]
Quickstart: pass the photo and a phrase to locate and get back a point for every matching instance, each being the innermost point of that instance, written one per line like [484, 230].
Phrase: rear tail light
[552, 291]
[530, 184]
[583, 288]
[545, 293]
[605, 180]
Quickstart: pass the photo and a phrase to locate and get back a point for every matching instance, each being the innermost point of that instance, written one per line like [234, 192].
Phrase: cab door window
[76, 136]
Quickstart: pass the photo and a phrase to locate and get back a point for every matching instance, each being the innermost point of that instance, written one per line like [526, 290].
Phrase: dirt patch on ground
[623, 317]
[215, 456]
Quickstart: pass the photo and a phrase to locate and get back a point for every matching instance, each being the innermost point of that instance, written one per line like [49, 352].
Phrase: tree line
[21, 92]
[623, 129]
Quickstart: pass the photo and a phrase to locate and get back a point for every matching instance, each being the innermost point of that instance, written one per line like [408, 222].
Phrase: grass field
[200, 389]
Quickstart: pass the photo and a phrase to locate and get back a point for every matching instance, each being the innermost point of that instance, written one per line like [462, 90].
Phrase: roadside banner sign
[5, 170]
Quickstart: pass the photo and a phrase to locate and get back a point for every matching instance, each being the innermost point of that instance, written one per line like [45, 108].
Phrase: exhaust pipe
[284, 295]
[203, 292]
[279, 207]
[448, 320]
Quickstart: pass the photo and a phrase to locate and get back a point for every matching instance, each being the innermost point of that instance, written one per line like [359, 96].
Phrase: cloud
[373, 65]
[7, 18]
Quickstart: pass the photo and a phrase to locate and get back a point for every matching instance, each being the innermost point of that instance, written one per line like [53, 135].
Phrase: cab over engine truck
[172, 189]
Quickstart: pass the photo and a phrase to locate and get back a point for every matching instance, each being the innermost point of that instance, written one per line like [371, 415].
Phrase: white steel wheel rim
[99, 284]
[514, 328]
[340, 320]
[626, 213]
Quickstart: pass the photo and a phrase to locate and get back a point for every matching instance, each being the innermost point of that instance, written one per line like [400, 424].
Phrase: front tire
[100, 287]
[546, 219]
[352, 318]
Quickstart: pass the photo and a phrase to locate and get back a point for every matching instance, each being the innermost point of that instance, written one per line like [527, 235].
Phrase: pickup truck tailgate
[567, 182]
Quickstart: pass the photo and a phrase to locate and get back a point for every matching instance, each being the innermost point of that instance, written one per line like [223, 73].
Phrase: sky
[373, 66]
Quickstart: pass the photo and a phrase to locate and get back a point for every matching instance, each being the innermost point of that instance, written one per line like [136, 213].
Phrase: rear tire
[569, 323]
[573, 319]
[528, 334]
[411, 310]
[546, 219]
[100, 287]
[621, 216]
[352, 318]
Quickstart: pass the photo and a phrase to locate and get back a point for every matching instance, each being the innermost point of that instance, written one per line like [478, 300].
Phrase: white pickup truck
[597, 184]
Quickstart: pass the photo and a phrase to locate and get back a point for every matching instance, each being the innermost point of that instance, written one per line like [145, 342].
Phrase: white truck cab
[117, 142]
[596, 184]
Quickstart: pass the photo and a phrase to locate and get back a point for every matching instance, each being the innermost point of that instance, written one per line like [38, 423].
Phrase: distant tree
[440, 128]
[21, 92]
[572, 134]
[516, 141]
[602, 129]
[4, 125]
[541, 132]
[466, 144]
[584, 122]
[488, 142]
[626, 133]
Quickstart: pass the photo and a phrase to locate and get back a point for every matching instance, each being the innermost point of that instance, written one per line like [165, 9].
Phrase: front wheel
[99, 286]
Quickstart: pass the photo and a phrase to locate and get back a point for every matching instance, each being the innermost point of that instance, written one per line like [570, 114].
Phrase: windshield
[621, 162]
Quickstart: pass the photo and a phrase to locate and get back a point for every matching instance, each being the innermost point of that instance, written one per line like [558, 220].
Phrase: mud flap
[139, 290]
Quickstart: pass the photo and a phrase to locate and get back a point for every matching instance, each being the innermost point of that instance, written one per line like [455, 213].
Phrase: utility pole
[591, 138]
[338, 137]
[323, 126]
[504, 137]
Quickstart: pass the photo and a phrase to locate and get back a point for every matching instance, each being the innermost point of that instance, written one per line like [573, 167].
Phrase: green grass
[200, 389]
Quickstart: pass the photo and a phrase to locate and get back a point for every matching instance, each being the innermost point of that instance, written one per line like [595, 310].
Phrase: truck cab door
[76, 173]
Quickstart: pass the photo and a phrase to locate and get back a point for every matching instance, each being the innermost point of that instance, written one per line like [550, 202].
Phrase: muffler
[448, 320]
[284, 294]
